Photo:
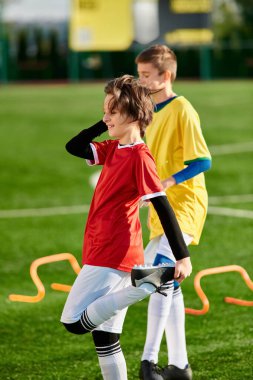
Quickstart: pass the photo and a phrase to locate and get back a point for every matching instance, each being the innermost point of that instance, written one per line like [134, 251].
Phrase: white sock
[175, 331]
[113, 367]
[107, 306]
[158, 311]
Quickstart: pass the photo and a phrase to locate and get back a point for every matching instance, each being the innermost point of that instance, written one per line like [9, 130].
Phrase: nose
[106, 118]
[143, 82]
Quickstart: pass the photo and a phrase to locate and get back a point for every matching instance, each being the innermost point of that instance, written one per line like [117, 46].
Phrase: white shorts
[91, 283]
[161, 245]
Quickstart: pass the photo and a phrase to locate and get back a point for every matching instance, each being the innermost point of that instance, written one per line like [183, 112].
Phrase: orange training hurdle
[76, 267]
[34, 275]
[217, 270]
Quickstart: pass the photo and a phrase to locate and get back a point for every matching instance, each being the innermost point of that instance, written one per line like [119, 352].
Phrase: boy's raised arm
[80, 144]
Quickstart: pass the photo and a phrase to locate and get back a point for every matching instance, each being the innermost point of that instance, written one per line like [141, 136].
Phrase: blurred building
[34, 39]
[36, 34]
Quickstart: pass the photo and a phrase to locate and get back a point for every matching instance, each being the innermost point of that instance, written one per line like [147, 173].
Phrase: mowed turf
[36, 172]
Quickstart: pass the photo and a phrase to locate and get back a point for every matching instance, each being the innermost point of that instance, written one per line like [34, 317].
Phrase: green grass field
[36, 172]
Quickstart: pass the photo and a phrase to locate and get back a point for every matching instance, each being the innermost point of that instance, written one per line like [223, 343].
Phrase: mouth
[110, 127]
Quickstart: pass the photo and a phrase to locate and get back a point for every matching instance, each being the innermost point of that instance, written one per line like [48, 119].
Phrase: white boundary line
[218, 150]
[244, 198]
[235, 213]
[52, 211]
[82, 209]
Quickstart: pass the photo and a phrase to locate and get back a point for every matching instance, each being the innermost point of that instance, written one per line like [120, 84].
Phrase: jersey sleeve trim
[197, 159]
[95, 155]
[153, 195]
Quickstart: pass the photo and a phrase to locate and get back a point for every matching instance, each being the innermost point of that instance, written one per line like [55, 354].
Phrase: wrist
[169, 182]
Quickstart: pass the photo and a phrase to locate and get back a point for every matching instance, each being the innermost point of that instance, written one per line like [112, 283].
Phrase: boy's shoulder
[140, 147]
[142, 150]
[178, 104]
[183, 106]
[181, 102]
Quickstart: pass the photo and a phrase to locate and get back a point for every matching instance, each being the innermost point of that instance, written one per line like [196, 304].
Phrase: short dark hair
[132, 99]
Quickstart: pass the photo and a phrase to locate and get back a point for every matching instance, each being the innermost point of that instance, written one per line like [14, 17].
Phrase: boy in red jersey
[113, 245]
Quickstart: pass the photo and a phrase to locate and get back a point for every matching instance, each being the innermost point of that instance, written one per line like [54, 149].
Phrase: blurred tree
[233, 20]
[22, 45]
[246, 9]
[54, 55]
[39, 43]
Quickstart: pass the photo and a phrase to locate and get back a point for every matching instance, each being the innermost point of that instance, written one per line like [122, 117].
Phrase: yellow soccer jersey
[175, 139]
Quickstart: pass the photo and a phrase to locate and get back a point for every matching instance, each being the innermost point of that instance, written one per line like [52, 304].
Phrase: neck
[163, 94]
[130, 138]
[124, 141]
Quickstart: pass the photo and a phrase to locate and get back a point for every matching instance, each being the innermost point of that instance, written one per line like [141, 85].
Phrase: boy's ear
[167, 75]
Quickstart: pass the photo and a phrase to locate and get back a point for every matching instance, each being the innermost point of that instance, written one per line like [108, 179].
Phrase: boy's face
[119, 126]
[150, 76]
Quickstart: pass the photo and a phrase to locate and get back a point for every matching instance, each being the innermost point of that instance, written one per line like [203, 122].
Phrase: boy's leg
[157, 318]
[108, 306]
[175, 334]
[110, 355]
[91, 283]
[175, 331]
[159, 309]
[89, 304]
[178, 367]
[85, 290]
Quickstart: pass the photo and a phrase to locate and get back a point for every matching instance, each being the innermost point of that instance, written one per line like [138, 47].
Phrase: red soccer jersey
[113, 235]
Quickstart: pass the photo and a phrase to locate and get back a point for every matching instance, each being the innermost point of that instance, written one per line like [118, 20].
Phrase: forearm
[170, 226]
[80, 145]
[194, 168]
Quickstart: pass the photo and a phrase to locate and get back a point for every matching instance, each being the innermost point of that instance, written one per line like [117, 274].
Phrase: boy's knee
[75, 328]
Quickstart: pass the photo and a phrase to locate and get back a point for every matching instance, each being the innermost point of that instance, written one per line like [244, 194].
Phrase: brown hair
[161, 57]
[132, 99]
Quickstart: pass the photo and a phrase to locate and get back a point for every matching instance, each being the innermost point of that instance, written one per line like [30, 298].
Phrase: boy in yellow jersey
[181, 155]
